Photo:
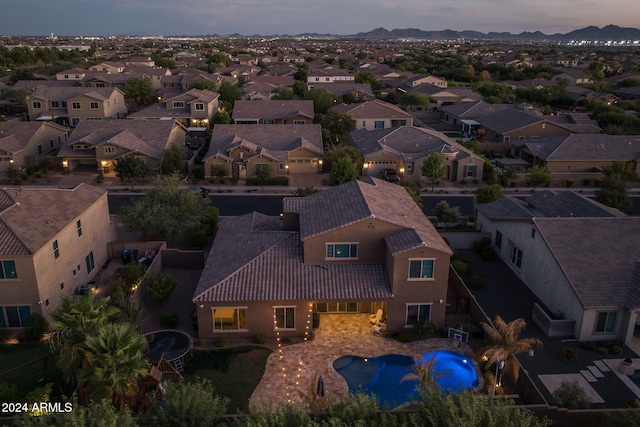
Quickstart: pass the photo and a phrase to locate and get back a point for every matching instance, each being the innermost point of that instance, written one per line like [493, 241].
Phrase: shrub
[169, 319]
[405, 336]
[586, 182]
[36, 327]
[454, 255]
[570, 354]
[460, 267]
[479, 245]
[131, 275]
[588, 345]
[603, 350]
[569, 183]
[571, 396]
[488, 254]
[199, 236]
[260, 339]
[616, 349]
[221, 342]
[38, 175]
[159, 288]
[476, 281]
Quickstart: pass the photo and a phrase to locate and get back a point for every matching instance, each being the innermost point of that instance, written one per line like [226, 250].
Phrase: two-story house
[96, 146]
[69, 105]
[354, 248]
[243, 149]
[54, 241]
[192, 108]
[22, 144]
[573, 77]
[269, 112]
[578, 257]
[405, 148]
[375, 114]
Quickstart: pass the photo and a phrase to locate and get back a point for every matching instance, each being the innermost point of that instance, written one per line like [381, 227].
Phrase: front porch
[292, 371]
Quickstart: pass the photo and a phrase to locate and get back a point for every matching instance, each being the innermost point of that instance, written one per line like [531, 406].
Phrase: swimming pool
[381, 376]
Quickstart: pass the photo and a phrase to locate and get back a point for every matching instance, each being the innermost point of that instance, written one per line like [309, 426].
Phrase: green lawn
[235, 372]
[28, 377]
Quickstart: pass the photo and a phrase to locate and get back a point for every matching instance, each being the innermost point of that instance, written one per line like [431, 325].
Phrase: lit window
[229, 319]
[342, 250]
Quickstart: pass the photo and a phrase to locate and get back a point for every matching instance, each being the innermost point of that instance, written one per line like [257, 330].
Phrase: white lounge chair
[378, 329]
[374, 319]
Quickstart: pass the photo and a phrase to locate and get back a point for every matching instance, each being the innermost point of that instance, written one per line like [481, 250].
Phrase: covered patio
[292, 371]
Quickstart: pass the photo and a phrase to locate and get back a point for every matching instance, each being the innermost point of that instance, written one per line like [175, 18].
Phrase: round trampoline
[174, 344]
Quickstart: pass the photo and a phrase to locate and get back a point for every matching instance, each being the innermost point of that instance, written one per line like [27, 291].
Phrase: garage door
[303, 166]
[374, 168]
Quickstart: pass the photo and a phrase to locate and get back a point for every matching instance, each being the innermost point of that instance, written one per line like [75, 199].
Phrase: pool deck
[292, 371]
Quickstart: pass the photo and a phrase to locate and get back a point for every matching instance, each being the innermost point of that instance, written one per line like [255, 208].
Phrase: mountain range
[592, 33]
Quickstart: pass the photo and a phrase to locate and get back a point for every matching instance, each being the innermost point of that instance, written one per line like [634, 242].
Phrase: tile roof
[474, 109]
[23, 227]
[509, 120]
[366, 199]
[149, 137]
[278, 139]
[66, 93]
[272, 109]
[600, 260]
[14, 136]
[251, 260]
[372, 109]
[507, 208]
[551, 204]
[598, 147]
[412, 142]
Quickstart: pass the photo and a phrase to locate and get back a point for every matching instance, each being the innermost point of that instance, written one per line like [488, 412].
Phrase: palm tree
[505, 341]
[116, 361]
[74, 321]
[424, 371]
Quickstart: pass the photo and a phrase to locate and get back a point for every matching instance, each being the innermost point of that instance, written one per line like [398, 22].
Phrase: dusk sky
[342, 17]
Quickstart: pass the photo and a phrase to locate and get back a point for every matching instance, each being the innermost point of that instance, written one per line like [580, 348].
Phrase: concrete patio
[292, 371]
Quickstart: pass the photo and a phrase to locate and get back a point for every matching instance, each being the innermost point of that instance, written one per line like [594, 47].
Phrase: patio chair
[378, 329]
[374, 319]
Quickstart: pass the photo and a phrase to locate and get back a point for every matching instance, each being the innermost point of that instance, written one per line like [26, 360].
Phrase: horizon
[194, 18]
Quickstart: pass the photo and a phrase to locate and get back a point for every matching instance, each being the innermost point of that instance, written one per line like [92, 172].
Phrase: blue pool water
[381, 376]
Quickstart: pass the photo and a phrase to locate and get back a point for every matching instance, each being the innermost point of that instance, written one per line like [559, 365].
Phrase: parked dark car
[200, 190]
[389, 175]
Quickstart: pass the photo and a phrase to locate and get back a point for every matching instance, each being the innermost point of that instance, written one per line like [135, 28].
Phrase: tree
[571, 396]
[204, 84]
[159, 288]
[190, 404]
[322, 100]
[166, 211]
[141, 90]
[613, 190]
[72, 323]
[338, 124]
[262, 172]
[489, 193]
[434, 169]
[219, 172]
[229, 92]
[13, 174]
[508, 175]
[446, 215]
[504, 341]
[424, 371]
[116, 361]
[132, 168]
[539, 175]
[344, 170]
[173, 160]
[282, 93]
[221, 118]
